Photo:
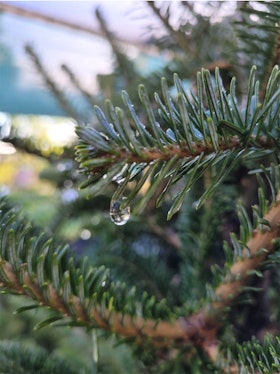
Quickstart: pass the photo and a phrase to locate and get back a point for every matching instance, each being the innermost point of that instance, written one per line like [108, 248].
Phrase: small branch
[22, 12]
[124, 64]
[24, 146]
[275, 60]
[123, 325]
[178, 36]
[30, 147]
[166, 233]
[241, 269]
[50, 83]
[240, 272]
[76, 83]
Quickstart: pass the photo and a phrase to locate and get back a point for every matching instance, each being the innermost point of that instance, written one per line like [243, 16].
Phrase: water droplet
[119, 215]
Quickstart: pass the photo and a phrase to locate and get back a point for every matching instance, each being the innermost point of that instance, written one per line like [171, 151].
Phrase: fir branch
[25, 145]
[19, 358]
[75, 81]
[181, 38]
[124, 65]
[206, 323]
[166, 233]
[275, 59]
[50, 83]
[195, 134]
[258, 246]
[258, 30]
[124, 325]
[55, 290]
[253, 357]
[30, 146]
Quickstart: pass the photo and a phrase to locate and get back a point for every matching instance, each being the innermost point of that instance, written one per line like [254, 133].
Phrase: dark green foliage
[254, 357]
[23, 359]
[258, 34]
[50, 265]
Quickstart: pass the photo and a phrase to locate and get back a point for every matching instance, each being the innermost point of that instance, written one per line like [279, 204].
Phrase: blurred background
[62, 32]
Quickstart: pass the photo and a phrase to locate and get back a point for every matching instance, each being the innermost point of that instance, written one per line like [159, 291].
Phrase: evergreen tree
[189, 165]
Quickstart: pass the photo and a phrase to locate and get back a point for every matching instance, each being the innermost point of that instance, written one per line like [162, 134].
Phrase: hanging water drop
[119, 215]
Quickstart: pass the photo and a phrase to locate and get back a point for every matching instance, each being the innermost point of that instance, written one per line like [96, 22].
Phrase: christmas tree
[185, 163]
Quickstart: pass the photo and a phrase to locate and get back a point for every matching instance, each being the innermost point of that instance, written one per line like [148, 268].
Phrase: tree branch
[182, 151]
[240, 271]
[260, 245]
[275, 60]
[179, 37]
[199, 329]
[51, 84]
[27, 13]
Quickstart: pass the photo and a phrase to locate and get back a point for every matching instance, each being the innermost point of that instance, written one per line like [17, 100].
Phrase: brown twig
[27, 13]
[167, 234]
[182, 151]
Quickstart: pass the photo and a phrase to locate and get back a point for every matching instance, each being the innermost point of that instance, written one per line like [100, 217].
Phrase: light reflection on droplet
[120, 177]
[119, 216]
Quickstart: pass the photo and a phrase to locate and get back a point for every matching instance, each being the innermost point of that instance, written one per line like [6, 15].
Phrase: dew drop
[119, 216]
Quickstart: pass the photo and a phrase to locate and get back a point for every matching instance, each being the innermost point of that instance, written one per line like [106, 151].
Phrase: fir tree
[193, 285]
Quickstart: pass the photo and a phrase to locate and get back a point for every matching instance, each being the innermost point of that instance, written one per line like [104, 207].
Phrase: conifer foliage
[190, 163]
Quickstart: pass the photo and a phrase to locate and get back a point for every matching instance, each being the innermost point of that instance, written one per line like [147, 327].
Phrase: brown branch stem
[182, 151]
[240, 271]
[199, 329]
